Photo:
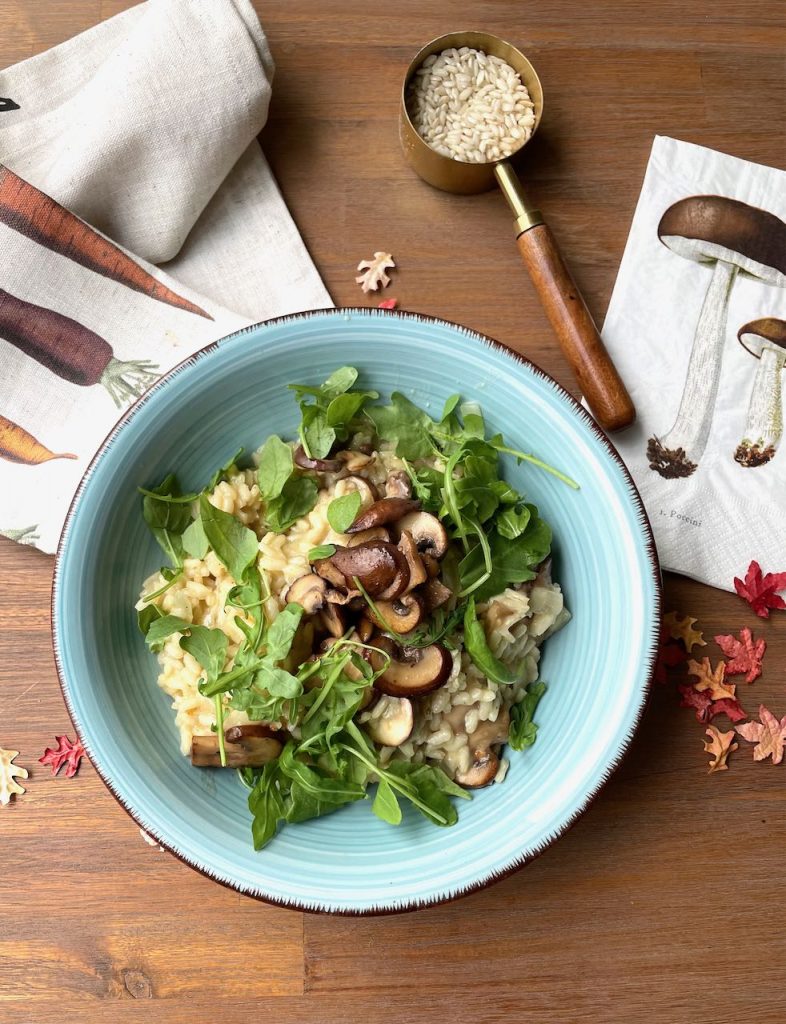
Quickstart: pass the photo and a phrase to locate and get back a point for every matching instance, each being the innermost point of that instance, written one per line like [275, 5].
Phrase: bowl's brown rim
[591, 797]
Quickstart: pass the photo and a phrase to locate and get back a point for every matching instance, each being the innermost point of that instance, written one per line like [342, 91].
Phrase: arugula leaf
[278, 682]
[282, 632]
[385, 805]
[523, 731]
[234, 544]
[338, 382]
[343, 511]
[167, 520]
[323, 787]
[162, 627]
[513, 521]
[478, 649]
[275, 467]
[209, 647]
[195, 542]
[450, 405]
[146, 616]
[321, 551]
[266, 805]
[344, 408]
[223, 472]
[512, 561]
[297, 498]
[404, 422]
[317, 437]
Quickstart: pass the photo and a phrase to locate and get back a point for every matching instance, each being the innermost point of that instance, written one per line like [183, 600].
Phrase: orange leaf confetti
[720, 746]
[713, 681]
[67, 753]
[681, 628]
[9, 773]
[768, 734]
[759, 590]
[745, 653]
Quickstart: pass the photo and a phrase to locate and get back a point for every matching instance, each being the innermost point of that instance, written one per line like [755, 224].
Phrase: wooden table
[665, 902]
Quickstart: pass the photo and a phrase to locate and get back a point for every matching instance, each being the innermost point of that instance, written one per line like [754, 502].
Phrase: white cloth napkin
[711, 523]
[145, 126]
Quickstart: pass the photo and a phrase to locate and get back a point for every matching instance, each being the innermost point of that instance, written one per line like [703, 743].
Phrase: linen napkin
[145, 126]
[697, 328]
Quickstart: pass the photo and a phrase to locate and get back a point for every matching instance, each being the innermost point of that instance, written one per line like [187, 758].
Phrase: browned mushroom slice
[382, 512]
[334, 619]
[427, 531]
[365, 629]
[400, 615]
[393, 726]
[398, 484]
[481, 772]
[417, 570]
[431, 565]
[309, 591]
[376, 533]
[435, 594]
[252, 746]
[412, 670]
[354, 461]
[366, 490]
[318, 465]
[379, 566]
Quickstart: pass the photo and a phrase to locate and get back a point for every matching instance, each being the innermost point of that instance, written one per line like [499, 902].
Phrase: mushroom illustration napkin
[697, 327]
[131, 145]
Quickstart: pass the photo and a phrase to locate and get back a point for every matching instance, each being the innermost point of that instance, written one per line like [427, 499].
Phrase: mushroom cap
[709, 229]
[761, 334]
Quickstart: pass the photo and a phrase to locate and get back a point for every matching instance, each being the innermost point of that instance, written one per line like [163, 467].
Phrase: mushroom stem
[676, 453]
[764, 426]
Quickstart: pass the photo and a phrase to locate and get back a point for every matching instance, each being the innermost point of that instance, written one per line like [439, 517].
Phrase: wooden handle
[597, 376]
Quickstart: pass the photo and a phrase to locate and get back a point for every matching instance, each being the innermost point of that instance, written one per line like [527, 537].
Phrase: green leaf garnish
[234, 544]
[523, 731]
[275, 467]
[342, 512]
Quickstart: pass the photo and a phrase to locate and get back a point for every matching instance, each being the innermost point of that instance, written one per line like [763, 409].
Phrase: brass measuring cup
[596, 374]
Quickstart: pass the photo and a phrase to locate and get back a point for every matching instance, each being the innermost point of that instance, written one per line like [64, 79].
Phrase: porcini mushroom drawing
[734, 238]
[765, 339]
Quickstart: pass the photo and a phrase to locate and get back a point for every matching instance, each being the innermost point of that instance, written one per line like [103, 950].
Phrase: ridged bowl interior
[598, 668]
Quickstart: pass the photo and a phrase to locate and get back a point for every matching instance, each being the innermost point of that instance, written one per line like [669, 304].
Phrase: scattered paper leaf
[374, 271]
[746, 654]
[719, 747]
[67, 753]
[681, 628]
[713, 681]
[388, 304]
[670, 656]
[760, 590]
[730, 707]
[768, 734]
[9, 772]
[691, 698]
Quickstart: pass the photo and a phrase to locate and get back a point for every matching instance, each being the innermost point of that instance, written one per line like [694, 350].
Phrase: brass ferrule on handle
[526, 216]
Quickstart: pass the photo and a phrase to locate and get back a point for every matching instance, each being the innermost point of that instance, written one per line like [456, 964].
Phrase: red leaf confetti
[745, 653]
[670, 655]
[729, 706]
[388, 304]
[760, 590]
[67, 753]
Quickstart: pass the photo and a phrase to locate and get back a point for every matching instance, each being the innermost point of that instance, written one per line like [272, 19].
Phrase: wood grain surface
[665, 902]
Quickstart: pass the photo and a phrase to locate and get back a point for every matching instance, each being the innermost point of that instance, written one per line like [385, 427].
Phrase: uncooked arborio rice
[470, 106]
[516, 623]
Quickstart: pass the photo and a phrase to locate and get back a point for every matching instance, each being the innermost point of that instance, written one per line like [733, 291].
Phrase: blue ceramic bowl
[598, 668]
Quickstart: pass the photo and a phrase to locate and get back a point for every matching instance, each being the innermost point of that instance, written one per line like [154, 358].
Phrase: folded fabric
[145, 126]
[697, 327]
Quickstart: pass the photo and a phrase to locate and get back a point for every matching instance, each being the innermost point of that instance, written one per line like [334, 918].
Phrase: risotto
[364, 606]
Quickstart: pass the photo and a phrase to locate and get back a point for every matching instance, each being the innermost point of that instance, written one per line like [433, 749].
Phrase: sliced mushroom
[393, 726]
[353, 461]
[376, 533]
[485, 761]
[401, 615]
[365, 629]
[398, 484]
[251, 746]
[366, 490]
[333, 618]
[481, 772]
[412, 670]
[309, 591]
[427, 531]
[319, 465]
[378, 565]
[431, 564]
[382, 512]
[417, 571]
[435, 594]
[302, 646]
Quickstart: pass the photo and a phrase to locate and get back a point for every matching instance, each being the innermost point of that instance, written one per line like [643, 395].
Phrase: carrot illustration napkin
[131, 145]
[697, 327]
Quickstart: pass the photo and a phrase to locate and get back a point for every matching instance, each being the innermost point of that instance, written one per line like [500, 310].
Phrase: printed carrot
[17, 445]
[35, 215]
[71, 350]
